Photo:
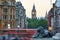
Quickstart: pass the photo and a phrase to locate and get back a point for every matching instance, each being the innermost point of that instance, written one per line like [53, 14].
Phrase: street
[41, 39]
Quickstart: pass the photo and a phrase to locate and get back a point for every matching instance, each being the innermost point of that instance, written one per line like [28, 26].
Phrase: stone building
[54, 17]
[34, 12]
[21, 21]
[7, 14]
[57, 16]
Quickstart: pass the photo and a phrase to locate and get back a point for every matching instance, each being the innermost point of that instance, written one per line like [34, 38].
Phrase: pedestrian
[4, 38]
[50, 35]
[15, 38]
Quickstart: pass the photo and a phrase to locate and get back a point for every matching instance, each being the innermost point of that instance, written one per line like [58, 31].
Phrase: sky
[41, 6]
[58, 3]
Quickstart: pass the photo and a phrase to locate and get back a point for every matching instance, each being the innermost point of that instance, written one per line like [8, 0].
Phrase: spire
[34, 8]
[46, 15]
[34, 12]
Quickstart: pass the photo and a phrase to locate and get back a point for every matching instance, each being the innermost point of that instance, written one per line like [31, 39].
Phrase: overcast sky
[41, 6]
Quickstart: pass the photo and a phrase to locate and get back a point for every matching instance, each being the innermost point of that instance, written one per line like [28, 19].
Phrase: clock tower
[34, 12]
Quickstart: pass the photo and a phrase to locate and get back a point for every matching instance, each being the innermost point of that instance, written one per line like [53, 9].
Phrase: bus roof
[19, 29]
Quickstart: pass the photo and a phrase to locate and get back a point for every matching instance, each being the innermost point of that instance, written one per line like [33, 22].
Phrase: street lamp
[8, 26]
[50, 28]
[18, 30]
[18, 26]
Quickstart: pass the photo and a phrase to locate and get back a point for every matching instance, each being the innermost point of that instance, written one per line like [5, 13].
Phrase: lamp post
[18, 26]
[18, 30]
[8, 31]
[50, 29]
[8, 26]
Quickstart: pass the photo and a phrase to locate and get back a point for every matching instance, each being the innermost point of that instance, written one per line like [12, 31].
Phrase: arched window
[5, 10]
[5, 3]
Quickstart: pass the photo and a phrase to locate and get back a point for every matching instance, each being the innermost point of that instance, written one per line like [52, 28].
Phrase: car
[56, 36]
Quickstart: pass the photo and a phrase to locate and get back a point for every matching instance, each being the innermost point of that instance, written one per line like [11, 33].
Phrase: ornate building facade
[7, 14]
[20, 16]
[34, 12]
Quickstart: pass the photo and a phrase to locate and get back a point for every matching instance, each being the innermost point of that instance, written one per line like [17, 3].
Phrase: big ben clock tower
[34, 12]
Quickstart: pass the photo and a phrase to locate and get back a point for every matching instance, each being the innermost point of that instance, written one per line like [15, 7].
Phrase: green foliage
[43, 22]
[34, 23]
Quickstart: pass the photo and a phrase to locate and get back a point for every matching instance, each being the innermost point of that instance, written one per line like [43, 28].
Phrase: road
[41, 39]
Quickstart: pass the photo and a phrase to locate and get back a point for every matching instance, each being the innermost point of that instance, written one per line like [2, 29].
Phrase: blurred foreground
[41, 39]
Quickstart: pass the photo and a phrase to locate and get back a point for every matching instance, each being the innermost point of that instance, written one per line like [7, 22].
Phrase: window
[5, 3]
[5, 10]
[17, 20]
[13, 16]
[10, 17]
[9, 2]
[12, 3]
[0, 18]
[18, 15]
[17, 11]
[32, 12]
[11, 24]
[4, 17]
[6, 25]
[11, 11]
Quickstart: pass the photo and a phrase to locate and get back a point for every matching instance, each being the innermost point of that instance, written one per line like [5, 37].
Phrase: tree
[35, 23]
[43, 23]
[32, 23]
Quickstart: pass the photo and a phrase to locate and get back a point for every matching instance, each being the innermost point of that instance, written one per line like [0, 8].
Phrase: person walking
[4, 38]
[15, 38]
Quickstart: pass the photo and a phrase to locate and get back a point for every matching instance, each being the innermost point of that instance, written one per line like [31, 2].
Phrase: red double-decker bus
[23, 33]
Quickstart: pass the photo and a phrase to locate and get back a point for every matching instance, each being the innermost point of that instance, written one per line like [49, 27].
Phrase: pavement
[41, 39]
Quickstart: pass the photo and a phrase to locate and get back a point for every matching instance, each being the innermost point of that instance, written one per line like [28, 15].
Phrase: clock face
[33, 13]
